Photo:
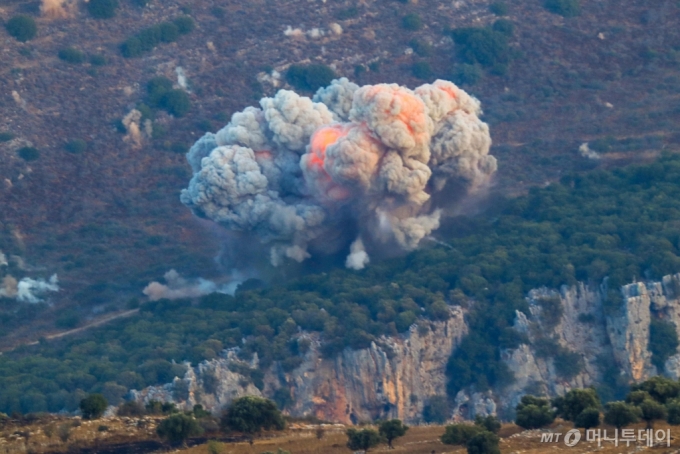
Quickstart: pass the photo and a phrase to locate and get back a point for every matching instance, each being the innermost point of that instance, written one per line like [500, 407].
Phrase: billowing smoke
[178, 287]
[57, 8]
[28, 290]
[353, 165]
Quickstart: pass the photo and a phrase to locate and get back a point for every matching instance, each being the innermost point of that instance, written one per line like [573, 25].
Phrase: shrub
[131, 408]
[71, 55]
[566, 8]
[568, 364]
[28, 153]
[184, 24]
[484, 443]
[347, 13]
[421, 47]
[97, 60]
[504, 26]
[412, 22]
[574, 402]
[588, 418]
[177, 428]
[22, 28]
[673, 412]
[68, 320]
[6, 136]
[621, 414]
[482, 45]
[103, 428]
[499, 8]
[102, 9]
[176, 102]
[251, 414]
[658, 388]
[467, 74]
[459, 434]
[309, 77]
[663, 342]
[490, 423]
[533, 413]
[75, 146]
[132, 47]
[157, 88]
[422, 70]
[169, 32]
[362, 440]
[93, 406]
[651, 411]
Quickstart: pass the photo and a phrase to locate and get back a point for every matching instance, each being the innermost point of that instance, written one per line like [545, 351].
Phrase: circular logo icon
[572, 437]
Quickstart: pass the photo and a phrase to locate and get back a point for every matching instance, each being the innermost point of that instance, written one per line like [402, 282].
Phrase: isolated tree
[588, 418]
[392, 430]
[362, 440]
[620, 414]
[251, 414]
[533, 412]
[93, 406]
[574, 402]
[178, 428]
[22, 28]
[490, 423]
[484, 442]
[436, 410]
[651, 411]
[459, 434]
[637, 397]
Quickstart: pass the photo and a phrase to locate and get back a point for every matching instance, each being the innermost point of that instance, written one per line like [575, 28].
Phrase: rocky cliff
[570, 337]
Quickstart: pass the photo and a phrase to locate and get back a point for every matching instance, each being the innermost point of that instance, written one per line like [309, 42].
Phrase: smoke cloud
[177, 287]
[307, 175]
[57, 8]
[28, 290]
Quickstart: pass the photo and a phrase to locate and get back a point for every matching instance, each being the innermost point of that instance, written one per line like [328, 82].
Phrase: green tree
[620, 414]
[185, 24]
[102, 9]
[71, 55]
[93, 406]
[412, 22]
[659, 388]
[651, 411]
[392, 430]
[251, 414]
[28, 153]
[490, 423]
[362, 440]
[484, 443]
[459, 434]
[533, 412]
[588, 418]
[22, 28]
[178, 428]
[176, 102]
[636, 397]
[574, 402]
[309, 77]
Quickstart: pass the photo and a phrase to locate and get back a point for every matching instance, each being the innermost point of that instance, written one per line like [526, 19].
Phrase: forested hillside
[621, 225]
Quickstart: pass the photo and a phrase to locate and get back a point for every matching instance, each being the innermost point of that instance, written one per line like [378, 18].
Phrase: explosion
[353, 164]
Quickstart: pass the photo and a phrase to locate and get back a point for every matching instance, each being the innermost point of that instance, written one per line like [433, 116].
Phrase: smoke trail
[306, 175]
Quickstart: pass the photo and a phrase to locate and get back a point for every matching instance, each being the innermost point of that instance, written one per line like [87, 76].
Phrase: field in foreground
[115, 435]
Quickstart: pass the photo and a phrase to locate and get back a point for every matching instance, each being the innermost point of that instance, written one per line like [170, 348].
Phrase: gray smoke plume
[306, 175]
[28, 290]
[178, 287]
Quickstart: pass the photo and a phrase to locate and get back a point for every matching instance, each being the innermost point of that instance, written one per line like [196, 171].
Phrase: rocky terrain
[411, 368]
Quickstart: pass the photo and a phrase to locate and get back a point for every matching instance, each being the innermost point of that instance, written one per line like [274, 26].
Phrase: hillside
[105, 216]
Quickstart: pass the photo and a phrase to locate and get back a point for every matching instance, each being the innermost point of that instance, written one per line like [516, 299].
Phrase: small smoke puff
[293, 119]
[9, 287]
[56, 8]
[315, 33]
[131, 123]
[181, 78]
[335, 28]
[177, 287]
[3, 259]
[338, 97]
[293, 32]
[29, 290]
[358, 258]
[585, 151]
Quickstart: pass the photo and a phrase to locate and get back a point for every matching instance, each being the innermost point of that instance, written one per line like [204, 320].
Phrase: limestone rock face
[569, 337]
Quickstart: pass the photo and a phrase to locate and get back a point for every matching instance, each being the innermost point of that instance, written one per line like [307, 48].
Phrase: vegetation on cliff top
[620, 224]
